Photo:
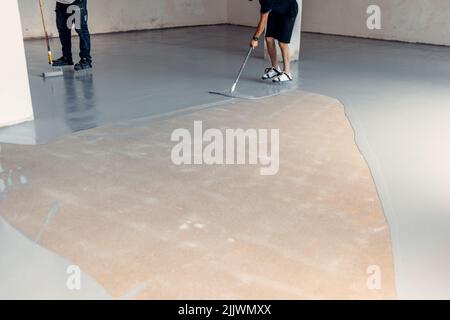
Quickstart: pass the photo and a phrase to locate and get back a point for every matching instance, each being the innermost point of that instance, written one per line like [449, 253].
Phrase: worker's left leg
[85, 38]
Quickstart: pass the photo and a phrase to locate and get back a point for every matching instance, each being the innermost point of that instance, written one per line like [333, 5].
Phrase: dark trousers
[65, 16]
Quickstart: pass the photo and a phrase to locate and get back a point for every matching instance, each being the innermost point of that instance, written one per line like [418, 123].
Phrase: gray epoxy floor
[139, 74]
[396, 95]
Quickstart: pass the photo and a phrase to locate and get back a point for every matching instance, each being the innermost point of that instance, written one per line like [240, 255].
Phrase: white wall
[125, 15]
[15, 98]
[426, 21]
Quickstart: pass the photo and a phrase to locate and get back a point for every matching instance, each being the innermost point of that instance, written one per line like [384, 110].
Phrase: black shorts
[280, 27]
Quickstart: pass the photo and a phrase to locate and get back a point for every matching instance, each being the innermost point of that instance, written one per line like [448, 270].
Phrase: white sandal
[271, 73]
[284, 77]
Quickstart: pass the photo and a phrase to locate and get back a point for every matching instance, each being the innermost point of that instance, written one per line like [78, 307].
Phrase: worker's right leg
[275, 70]
[272, 49]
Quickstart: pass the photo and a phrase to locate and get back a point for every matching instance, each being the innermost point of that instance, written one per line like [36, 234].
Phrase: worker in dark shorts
[66, 15]
[278, 19]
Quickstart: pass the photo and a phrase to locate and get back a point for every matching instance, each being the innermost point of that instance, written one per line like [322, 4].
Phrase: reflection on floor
[139, 74]
[136, 222]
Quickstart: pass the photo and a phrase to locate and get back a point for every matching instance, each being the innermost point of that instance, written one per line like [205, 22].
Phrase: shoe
[62, 62]
[271, 73]
[83, 65]
[283, 77]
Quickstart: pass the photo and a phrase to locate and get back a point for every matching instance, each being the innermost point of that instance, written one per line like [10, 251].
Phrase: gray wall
[124, 15]
[243, 12]
[426, 21]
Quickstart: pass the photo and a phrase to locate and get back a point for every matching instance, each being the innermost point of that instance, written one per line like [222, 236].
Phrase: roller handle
[50, 56]
[233, 88]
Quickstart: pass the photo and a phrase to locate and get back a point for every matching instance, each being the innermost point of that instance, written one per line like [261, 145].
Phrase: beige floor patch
[138, 223]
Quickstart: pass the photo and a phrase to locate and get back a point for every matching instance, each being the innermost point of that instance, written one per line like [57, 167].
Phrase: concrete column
[296, 37]
[15, 97]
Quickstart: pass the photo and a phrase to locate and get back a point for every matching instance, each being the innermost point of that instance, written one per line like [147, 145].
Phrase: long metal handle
[233, 88]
